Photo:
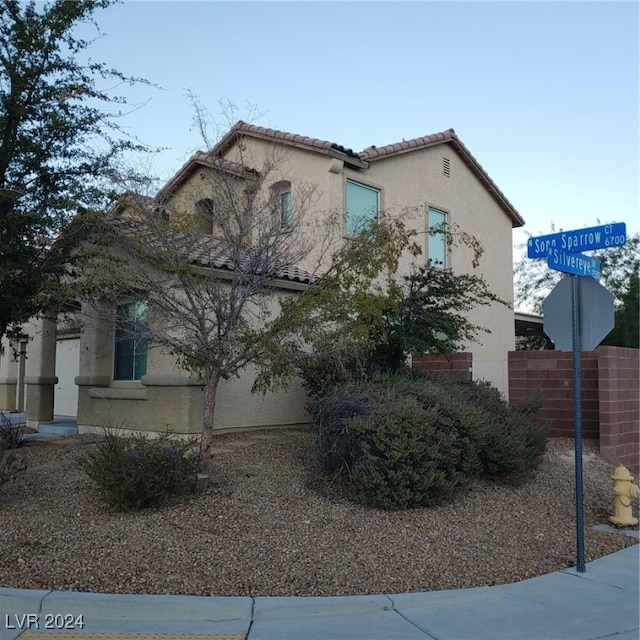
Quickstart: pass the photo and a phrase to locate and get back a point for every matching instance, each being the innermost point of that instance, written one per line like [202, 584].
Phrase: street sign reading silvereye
[576, 263]
[596, 314]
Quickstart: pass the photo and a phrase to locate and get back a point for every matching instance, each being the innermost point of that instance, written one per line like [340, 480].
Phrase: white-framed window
[437, 246]
[130, 344]
[281, 194]
[362, 204]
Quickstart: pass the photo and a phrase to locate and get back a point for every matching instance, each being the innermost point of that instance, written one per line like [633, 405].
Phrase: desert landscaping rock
[269, 526]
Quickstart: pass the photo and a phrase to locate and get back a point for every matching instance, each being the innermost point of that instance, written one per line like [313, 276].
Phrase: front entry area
[65, 401]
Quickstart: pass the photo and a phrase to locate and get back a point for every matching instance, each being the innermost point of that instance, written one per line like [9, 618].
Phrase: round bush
[402, 441]
[134, 472]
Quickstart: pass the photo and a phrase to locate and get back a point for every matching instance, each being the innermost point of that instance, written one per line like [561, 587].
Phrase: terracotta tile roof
[206, 250]
[242, 128]
[372, 153]
[218, 254]
[201, 158]
[377, 153]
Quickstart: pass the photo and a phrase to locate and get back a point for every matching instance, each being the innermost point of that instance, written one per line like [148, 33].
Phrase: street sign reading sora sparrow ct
[603, 237]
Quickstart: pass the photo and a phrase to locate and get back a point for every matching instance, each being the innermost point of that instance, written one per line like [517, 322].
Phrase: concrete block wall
[459, 363]
[548, 375]
[610, 396]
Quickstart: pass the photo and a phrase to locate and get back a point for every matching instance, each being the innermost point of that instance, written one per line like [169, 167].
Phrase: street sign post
[578, 314]
[602, 237]
[574, 263]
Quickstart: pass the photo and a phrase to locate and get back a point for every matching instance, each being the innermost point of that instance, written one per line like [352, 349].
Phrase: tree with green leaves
[619, 266]
[61, 146]
[626, 332]
[362, 318]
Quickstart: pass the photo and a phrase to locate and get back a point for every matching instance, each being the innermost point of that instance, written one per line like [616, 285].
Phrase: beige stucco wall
[471, 208]
[27, 382]
[410, 183]
[168, 397]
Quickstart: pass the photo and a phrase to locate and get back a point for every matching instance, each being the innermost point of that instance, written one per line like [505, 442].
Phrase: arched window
[281, 194]
[204, 215]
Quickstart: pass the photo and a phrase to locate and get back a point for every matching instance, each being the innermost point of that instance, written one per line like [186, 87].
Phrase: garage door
[67, 367]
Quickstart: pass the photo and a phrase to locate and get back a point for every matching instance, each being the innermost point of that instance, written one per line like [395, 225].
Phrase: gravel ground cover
[268, 526]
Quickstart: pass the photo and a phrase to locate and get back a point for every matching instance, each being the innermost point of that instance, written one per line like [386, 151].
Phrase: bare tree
[211, 267]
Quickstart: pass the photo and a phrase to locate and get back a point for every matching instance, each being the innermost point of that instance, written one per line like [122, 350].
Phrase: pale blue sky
[544, 94]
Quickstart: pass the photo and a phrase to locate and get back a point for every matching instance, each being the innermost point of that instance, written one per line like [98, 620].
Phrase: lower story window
[130, 359]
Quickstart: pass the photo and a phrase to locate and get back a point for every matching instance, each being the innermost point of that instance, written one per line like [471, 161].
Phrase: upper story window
[437, 247]
[362, 205]
[130, 353]
[204, 215]
[282, 203]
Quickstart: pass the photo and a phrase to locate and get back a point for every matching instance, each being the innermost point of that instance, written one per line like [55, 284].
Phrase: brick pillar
[619, 400]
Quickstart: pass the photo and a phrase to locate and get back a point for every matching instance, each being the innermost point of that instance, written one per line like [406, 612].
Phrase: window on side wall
[437, 248]
[282, 203]
[130, 357]
[362, 206]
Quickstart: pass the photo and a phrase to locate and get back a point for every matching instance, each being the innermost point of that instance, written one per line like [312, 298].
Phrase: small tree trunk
[206, 441]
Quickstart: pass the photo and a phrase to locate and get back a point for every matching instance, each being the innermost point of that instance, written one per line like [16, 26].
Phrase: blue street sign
[575, 263]
[602, 237]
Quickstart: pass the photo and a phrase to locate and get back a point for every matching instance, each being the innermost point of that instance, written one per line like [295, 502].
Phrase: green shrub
[338, 443]
[322, 372]
[408, 458]
[11, 435]
[508, 439]
[514, 442]
[134, 472]
[402, 441]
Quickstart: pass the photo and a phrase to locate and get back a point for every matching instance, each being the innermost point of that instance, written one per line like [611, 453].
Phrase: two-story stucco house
[429, 180]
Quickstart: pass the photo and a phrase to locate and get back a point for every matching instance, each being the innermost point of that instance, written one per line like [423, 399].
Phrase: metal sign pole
[577, 419]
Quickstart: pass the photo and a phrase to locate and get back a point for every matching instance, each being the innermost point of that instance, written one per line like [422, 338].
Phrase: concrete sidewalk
[601, 603]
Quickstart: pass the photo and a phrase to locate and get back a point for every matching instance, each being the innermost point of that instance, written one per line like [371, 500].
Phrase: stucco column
[96, 366]
[8, 375]
[96, 347]
[40, 378]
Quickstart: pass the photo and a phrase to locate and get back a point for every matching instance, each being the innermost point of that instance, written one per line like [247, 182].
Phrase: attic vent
[446, 167]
